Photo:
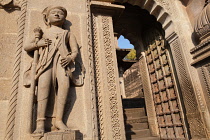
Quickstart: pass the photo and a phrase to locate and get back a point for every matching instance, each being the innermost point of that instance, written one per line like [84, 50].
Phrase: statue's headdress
[47, 10]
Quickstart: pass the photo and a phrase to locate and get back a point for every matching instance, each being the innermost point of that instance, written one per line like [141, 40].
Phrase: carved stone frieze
[111, 85]
[98, 80]
[91, 66]
[111, 78]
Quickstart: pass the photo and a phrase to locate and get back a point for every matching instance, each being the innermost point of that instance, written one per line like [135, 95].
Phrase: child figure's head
[54, 15]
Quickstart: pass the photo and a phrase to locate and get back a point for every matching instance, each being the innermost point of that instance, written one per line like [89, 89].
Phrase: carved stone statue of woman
[57, 50]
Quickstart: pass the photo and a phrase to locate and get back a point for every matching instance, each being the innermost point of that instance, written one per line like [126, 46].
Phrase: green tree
[131, 55]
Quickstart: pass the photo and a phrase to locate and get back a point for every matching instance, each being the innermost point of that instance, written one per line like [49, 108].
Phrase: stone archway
[160, 9]
[154, 7]
[164, 108]
[168, 18]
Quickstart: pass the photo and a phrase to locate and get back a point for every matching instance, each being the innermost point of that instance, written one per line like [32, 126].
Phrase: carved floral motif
[111, 79]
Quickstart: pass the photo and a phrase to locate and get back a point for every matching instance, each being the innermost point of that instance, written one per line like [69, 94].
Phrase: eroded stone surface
[3, 116]
[8, 39]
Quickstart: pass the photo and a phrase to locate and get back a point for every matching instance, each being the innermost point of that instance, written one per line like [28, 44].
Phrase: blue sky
[124, 43]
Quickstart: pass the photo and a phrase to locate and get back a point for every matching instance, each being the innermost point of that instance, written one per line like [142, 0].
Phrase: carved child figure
[57, 51]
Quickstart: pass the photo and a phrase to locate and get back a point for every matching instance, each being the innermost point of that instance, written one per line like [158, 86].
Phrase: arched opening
[148, 37]
[124, 43]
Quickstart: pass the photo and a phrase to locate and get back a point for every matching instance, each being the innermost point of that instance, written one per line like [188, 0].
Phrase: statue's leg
[44, 83]
[63, 90]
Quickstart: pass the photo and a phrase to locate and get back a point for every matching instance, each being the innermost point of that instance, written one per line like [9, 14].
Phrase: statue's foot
[61, 126]
[39, 132]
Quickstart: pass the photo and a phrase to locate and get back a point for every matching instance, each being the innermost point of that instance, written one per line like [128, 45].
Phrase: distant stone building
[165, 94]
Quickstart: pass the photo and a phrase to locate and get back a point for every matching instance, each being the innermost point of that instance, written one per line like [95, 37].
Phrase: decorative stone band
[201, 51]
[194, 118]
[91, 67]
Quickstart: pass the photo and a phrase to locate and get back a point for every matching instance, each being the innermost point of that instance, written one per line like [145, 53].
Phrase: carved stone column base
[69, 135]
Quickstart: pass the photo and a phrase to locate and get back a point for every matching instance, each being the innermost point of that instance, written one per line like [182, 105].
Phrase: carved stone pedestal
[70, 135]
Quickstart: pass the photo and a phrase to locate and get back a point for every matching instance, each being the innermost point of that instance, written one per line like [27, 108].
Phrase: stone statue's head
[54, 15]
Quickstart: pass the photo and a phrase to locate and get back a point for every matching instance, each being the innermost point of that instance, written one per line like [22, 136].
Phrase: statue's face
[56, 17]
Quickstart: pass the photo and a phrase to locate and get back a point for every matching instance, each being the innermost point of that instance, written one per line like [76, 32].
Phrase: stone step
[138, 134]
[134, 113]
[136, 126]
[147, 138]
[137, 120]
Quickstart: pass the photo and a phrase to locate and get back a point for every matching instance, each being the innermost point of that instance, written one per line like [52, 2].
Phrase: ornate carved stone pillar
[151, 113]
[110, 112]
[193, 114]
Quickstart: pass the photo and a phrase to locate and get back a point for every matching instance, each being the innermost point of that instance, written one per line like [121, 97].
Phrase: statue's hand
[66, 61]
[44, 43]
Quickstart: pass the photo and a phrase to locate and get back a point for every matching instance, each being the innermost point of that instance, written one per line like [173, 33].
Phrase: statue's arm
[73, 45]
[74, 51]
[31, 46]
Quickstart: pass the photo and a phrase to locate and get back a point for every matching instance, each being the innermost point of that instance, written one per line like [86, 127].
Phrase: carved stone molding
[110, 114]
[98, 79]
[16, 73]
[108, 95]
[206, 75]
[193, 117]
[111, 78]
[152, 119]
[92, 75]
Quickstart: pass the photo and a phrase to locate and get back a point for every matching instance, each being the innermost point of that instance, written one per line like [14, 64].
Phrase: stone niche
[79, 112]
